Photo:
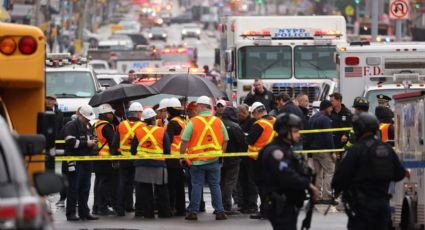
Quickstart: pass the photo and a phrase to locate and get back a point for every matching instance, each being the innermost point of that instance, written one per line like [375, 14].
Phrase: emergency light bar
[61, 59]
[58, 56]
[400, 78]
[150, 70]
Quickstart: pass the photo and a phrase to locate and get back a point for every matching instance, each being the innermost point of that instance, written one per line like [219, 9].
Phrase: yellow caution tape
[184, 156]
[302, 132]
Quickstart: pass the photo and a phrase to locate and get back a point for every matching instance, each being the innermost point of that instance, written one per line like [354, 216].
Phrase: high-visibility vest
[266, 136]
[207, 137]
[151, 140]
[160, 123]
[102, 143]
[383, 127]
[127, 129]
[177, 139]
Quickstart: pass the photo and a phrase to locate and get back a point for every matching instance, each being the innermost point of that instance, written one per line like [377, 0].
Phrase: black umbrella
[124, 92]
[187, 85]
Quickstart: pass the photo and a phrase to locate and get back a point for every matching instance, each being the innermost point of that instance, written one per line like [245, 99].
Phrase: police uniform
[383, 99]
[364, 174]
[126, 132]
[285, 181]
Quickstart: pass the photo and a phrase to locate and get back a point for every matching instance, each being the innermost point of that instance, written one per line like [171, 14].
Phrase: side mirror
[229, 59]
[47, 183]
[46, 125]
[31, 144]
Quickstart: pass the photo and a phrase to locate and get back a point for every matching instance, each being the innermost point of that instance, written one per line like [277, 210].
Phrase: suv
[20, 206]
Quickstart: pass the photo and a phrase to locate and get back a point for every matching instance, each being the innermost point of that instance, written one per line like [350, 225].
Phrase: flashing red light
[352, 60]
[74, 60]
[30, 211]
[27, 45]
[55, 62]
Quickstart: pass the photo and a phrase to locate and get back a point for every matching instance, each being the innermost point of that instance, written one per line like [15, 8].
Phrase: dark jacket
[173, 129]
[320, 140]
[75, 134]
[306, 115]
[59, 122]
[108, 132]
[266, 98]
[236, 137]
[347, 171]
[283, 173]
[341, 120]
[247, 124]
[151, 163]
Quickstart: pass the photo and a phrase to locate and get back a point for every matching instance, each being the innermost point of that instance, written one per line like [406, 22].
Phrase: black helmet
[361, 103]
[284, 123]
[364, 123]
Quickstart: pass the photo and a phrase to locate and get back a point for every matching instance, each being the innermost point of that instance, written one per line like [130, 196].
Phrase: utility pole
[375, 19]
[36, 19]
[84, 8]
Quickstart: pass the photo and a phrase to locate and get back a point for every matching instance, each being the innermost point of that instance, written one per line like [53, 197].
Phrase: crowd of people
[236, 183]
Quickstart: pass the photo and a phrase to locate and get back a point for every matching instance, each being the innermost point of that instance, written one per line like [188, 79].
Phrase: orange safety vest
[160, 123]
[207, 137]
[177, 139]
[384, 131]
[266, 136]
[151, 140]
[127, 129]
[102, 143]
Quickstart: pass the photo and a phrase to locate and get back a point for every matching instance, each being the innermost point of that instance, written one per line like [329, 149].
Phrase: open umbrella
[187, 85]
[124, 92]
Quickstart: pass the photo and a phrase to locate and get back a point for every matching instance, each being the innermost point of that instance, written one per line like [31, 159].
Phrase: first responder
[383, 100]
[123, 138]
[360, 105]
[260, 134]
[175, 130]
[79, 141]
[285, 175]
[364, 174]
[205, 134]
[151, 174]
[161, 120]
[386, 126]
[106, 171]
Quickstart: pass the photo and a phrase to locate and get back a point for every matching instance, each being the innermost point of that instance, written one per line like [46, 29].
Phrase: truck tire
[408, 215]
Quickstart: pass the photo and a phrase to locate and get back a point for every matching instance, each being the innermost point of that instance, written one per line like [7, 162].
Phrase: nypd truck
[290, 54]
[380, 68]
[408, 196]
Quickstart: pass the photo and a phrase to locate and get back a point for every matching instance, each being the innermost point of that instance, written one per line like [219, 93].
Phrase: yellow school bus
[22, 82]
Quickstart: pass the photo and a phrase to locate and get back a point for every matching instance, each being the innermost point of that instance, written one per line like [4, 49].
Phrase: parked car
[158, 33]
[20, 205]
[191, 30]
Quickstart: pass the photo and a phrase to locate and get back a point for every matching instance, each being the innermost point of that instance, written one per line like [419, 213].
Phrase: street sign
[349, 10]
[399, 9]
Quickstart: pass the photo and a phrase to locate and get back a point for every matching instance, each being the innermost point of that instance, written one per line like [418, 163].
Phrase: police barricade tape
[178, 156]
[301, 131]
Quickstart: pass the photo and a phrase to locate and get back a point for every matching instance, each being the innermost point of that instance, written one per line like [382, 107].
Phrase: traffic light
[260, 1]
[357, 2]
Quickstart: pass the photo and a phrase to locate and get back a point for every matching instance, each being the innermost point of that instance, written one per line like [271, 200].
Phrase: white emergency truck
[71, 81]
[378, 68]
[408, 202]
[290, 54]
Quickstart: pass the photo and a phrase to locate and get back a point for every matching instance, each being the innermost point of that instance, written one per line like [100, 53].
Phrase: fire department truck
[370, 69]
[290, 54]
[408, 195]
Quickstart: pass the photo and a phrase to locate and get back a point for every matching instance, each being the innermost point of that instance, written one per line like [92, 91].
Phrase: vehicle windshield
[107, 82]
[175, 58]
[98, 66]
[70, 84]
[313, 62]
[157, 30]
[268, 62]
[373, 101]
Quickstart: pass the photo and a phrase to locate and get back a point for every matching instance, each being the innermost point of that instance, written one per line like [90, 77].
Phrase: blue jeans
[212, 173]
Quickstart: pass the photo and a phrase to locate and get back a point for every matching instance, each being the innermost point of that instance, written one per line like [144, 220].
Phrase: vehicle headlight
[183, 31]
[164, 35]
[198, 32]
[150, 35]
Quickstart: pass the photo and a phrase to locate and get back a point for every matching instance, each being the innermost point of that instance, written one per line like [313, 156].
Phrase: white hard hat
[256, 105]
[203, 100]
[148, 113]
[105, 108]
[221, 102]
[163, 103]
[87, 112]
[135, 107]
[174, 103]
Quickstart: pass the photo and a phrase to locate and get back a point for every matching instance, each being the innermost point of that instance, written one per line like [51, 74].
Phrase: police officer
[383, 100]
[106, 171]
[285, 176]
[259, 135]
[364, 174]
[386, 126]
[79, 141]
[126, 132]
